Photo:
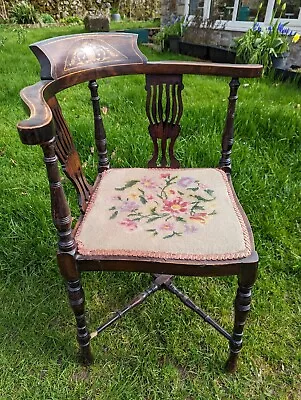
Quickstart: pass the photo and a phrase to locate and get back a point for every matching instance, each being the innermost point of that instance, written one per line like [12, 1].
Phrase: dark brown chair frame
[65, 63]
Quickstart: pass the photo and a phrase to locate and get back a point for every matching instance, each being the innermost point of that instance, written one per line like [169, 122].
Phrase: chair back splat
[164, 121]
[163, 220]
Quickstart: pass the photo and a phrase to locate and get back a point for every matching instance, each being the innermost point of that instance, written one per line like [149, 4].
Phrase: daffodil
[296, 38]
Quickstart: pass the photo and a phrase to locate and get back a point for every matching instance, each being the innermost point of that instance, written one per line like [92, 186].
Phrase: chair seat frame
[60, 69]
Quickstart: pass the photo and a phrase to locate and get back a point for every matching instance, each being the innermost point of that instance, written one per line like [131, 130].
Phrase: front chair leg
[77, 303]
[242, 307]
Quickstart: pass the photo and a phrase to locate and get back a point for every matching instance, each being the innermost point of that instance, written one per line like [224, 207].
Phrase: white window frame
[233, 25]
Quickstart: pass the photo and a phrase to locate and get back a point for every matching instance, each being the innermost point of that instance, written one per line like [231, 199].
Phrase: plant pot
[194, 50]
[174, 44]
[221, 55]
[280, 60]
[116, 17]
[141, 32]
[289, 74]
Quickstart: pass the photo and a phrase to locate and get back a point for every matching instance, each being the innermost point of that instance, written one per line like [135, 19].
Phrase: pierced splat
[164, 108]
[68, 156]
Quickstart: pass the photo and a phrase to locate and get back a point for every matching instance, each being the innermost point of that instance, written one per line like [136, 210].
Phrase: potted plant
[115, 16]
[170, 35]
[269, 46]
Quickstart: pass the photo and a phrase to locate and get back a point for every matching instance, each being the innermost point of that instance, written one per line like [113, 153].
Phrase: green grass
[161, 351]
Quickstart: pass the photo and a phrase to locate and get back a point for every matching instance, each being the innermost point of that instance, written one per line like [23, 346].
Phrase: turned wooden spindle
[228, 134]
[62, 220]
[99, 130]
[242, 306]
[60, 209]
[77, 302]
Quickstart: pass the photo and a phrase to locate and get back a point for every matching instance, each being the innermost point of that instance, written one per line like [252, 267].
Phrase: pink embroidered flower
[185, 181]
[148, 183]
[175, 206]
[165, 175]
[199, 217]
[167, 226]
[150, 197]
[129, 224]
[129, 206]
[190, 229]
[171, 191]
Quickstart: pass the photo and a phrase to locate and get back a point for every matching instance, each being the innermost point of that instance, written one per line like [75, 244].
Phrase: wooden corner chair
[163, 219]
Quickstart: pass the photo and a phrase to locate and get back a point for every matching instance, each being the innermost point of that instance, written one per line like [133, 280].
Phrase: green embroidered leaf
[169, 236]
[141, 191]
[154, 231]
[173, 234]
[194, 189]
[180, 219]
[181, 193]
[153, 210]
[200, 198]
[112, 208]
[143, 199]
[209, 191]
[213, 212]
[197, 207]
[114, 215]
[128, 185]
[152, 219]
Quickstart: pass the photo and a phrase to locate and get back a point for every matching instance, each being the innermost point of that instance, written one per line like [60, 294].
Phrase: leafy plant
[71, 20]
[24, 13]
[47, 19]
[175, 28]
[21, 34]
[3, 39]
[259, 46]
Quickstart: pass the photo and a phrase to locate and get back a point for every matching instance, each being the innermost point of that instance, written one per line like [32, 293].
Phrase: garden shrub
[47, 19]
[24, 13]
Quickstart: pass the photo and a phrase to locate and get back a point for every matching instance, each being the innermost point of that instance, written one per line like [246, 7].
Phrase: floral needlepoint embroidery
[167, 206]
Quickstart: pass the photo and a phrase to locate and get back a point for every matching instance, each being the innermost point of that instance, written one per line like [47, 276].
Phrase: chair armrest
[39, 128]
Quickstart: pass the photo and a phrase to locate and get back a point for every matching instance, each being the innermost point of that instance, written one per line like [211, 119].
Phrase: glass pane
[196, 7]
[292, 9]
[221, 9]
[248, 10]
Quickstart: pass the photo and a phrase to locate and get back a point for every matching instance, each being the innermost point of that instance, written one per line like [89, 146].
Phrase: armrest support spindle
[228, 134]
[60, 209]
[99, 130]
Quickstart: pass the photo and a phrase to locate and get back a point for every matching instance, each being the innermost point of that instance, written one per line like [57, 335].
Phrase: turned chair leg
[242, 307]
[77, 303]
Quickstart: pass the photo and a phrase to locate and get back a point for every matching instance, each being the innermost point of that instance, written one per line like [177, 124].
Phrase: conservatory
[239, 15]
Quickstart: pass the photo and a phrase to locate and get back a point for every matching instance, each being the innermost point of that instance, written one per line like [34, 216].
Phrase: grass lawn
[162, 350]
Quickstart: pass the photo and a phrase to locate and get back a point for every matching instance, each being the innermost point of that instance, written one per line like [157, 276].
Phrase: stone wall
[136, 9]
[225, 38]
